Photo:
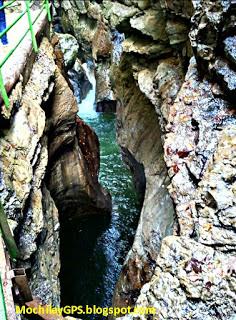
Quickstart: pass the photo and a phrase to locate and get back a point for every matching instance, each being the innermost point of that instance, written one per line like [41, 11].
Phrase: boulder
[69, 47]
[135, 44]
[117, 13]
[151, 23]
[101, 44]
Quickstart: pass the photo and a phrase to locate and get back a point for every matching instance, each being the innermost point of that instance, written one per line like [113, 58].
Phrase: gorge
[96, 247]
[118, 158]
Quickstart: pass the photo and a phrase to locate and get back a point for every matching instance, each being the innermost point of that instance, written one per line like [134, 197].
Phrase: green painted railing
[3, 308]
[28, 5]
[13, 252]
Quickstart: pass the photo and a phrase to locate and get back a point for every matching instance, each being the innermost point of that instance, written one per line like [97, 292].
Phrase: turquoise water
[93, 251]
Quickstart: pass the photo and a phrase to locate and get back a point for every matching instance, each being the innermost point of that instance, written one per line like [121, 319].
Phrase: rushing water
[94, 250]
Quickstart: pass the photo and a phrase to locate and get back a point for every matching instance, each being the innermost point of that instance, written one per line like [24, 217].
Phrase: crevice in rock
[106, 106]
[138, 172]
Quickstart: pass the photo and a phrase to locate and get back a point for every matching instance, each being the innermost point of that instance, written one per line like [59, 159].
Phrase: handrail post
[34, 42]
[48, 10]
[7, 235]
[3, 91]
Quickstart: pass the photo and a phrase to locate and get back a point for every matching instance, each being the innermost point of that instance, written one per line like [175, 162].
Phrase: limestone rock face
[69, 47]
[179, 8]
[117, 13]
[137, 119]
[199, 146]
[76, 22]
[142, 112]
[230, 44]
[216, 195]
[188, 278]
[213, 24]
[151, 23]
[44, 282]
[134, 44]
[198, 134]
[24, 158]
[101, 44]
[104, 92]
[73, 145]
[44, 145]
[191, 141]
[176, 120]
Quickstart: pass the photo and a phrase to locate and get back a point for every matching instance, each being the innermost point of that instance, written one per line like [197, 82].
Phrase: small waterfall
[87, 105]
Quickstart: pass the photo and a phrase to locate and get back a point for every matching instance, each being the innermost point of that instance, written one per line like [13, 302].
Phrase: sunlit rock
[69, 47]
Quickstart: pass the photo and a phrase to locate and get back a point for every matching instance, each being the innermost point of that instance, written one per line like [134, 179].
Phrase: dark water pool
[94, 250]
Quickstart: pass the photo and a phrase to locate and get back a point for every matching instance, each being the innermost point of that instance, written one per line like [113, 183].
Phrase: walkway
[14, 66]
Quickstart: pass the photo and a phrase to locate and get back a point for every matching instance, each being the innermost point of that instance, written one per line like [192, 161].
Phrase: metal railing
[31, 22]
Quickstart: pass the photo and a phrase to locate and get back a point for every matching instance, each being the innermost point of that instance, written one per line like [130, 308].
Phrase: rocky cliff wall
[194, 277]
[175, 87]
[24, 158]
[139, 133]
[49, 162]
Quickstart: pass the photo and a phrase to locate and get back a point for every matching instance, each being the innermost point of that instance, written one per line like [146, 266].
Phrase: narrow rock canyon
[118, 158]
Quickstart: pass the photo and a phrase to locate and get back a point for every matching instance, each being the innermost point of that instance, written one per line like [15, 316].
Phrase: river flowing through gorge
[74, 174]
[93, 251]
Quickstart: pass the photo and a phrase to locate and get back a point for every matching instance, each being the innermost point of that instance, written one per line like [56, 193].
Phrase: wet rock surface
[79, 80]
[72, 144]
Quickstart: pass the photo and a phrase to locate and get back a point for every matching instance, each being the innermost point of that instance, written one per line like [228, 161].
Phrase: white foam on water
[87, 105]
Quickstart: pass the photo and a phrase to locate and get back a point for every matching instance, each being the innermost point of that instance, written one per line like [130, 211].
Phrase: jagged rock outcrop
[24, 158]
[191, 281]
[139, 133]
[195, 275]
[196, 120]
[95, 39]
[73, 158]
[169, 99]
[69, 47]
[47, 154]
[195, 270]
[76, 20]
